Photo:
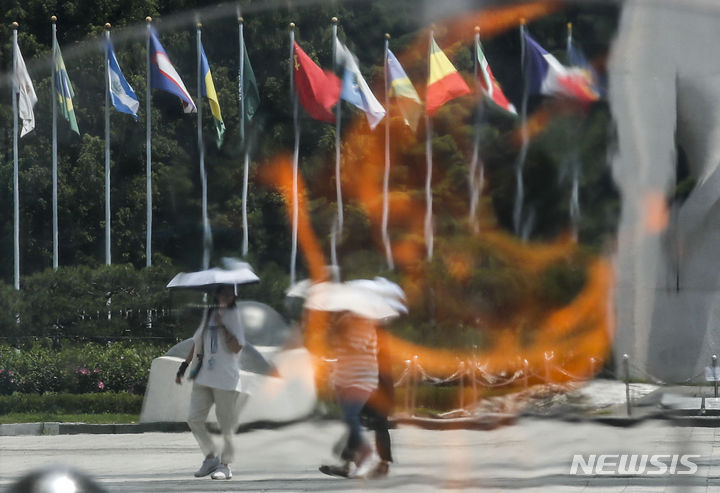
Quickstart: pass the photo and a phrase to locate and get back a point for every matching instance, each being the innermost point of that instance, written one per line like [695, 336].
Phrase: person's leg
[228, 404]
[201, 401]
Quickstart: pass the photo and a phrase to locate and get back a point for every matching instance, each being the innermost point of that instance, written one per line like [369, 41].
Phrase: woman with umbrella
[216, 380]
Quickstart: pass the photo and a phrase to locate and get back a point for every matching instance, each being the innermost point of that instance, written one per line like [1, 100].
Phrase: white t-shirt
[221, 366]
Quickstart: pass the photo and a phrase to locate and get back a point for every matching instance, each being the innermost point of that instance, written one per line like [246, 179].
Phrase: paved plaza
[530, 455]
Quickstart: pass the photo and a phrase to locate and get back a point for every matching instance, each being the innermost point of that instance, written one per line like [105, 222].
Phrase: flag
[164, 76]
[207, 88]
[26, 93]
[489, 84]
[444, 82]
[403, 91]
[121, 93]
[64, 91]
[546, 75]
[355, 89]
[249, 89]
[318, 89]
[578, 60]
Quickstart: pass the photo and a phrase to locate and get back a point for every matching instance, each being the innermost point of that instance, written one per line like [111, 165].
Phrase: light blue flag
[354, 88]
[122, 95]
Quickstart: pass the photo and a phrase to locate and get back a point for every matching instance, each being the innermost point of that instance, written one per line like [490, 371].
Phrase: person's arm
[183, 366]
[232, 342]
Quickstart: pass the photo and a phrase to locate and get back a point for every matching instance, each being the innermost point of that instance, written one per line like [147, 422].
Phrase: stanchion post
[592, 368]
[626, 367]
[526, 372]
[714, 365]
[408, 369]
[473, 376]
[462, 373]
[415, 378]
[548, 357]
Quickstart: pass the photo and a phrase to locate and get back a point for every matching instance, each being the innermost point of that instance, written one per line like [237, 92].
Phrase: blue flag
[121, 93]
[164, 76]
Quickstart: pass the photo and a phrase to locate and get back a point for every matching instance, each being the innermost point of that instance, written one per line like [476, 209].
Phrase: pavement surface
[527, 455]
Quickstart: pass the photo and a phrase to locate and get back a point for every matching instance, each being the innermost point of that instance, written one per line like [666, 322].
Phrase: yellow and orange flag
[444, 82]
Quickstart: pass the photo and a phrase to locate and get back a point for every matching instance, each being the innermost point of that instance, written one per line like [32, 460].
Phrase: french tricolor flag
[164, 76]
[546, 75]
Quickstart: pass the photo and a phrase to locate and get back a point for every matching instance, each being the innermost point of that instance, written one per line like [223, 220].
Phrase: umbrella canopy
[390, 291]
[337, 297]
[236, 272]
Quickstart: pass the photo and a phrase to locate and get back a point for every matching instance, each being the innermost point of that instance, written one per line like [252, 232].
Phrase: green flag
[64, 91]
[249, 89]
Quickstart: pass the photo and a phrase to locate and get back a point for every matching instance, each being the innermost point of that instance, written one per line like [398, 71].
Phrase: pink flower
[2, 371]
[96, 370]
[84, 371]
[101, 385]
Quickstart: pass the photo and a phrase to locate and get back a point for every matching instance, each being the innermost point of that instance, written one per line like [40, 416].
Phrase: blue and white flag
[164, 76]
[354, 88]
[121, 93]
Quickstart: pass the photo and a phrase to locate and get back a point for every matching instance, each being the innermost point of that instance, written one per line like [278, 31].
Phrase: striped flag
[207, 88]
[64, 91]
[546, 75]
[355, 89]
[403, 91]
[164, 76]
[444, 82]
[489, 84]
[121, 93]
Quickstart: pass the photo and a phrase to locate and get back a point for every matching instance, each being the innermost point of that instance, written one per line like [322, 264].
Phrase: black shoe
[340, 471]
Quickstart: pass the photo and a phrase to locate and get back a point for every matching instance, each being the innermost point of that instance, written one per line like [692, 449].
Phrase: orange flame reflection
[576, 336]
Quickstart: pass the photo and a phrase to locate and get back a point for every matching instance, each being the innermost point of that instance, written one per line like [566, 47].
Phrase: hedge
[64, 403]
[48, 366]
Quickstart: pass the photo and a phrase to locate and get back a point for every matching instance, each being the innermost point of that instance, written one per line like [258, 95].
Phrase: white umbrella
[392, 292]
[237, 272]
[336, 297]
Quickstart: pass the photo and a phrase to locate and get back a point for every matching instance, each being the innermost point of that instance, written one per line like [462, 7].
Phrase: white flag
[26, 93]
[354, 88]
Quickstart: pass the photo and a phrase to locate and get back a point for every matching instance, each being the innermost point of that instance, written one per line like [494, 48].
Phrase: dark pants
[378, 422]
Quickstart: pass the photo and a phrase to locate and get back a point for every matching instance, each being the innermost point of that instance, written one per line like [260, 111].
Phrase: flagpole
[476, 166]
[574, 194]
[201, 150]
[296, 156]
[54, 88]
[148, 150]
[338, 182]
[525, 138]
[107, 147]
[428, 179]
[246, 168]
[16, 167]
[386, 176]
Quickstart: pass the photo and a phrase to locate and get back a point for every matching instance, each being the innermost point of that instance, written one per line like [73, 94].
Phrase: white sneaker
[208, 466]
[222, 472]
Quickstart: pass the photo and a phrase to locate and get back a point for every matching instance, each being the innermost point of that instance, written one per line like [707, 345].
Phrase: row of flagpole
[444, 84]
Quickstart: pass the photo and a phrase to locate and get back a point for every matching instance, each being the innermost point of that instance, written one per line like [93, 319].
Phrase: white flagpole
[296, 156]
[386, 176]
[246, 168]
[107, 147]
[336, 230]
[207, 238]
[428, 179]
[575, 190]
[16, 186]
[54, 146]
[148, 151]
[520, 162]
[477, 170]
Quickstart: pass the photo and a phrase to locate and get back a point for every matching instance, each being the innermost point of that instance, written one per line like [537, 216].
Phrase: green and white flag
[248, 89]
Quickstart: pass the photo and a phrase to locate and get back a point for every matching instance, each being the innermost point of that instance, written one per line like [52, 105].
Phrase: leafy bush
[41, 367]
